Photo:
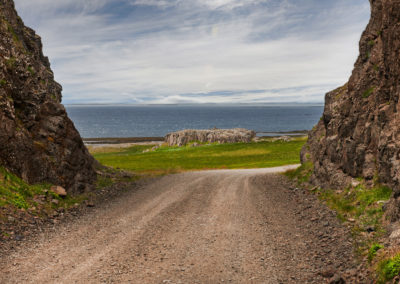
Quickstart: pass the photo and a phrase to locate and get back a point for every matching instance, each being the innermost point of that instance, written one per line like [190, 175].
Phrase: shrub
[11, 62]
[388, 269]
[30, 70]
[373, 250]
[368, 92]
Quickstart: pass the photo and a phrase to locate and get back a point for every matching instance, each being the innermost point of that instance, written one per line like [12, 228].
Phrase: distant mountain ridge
[38, 141]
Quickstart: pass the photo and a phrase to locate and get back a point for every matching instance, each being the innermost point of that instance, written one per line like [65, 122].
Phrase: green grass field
[215, 156]
[16, 193]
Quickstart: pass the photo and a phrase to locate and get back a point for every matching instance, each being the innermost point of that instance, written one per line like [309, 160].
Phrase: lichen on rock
[38, 141]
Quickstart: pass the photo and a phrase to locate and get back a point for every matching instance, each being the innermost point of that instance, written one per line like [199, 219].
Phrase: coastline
[122, 140]
[157, 140]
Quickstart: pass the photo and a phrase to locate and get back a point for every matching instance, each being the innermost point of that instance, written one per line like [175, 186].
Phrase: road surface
[226, 226]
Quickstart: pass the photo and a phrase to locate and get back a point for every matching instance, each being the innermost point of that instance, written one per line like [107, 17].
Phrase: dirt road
[230, 226]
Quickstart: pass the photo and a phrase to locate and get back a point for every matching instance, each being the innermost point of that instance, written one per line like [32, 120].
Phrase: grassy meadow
[39, 199]
[16, 193]
[166, 159]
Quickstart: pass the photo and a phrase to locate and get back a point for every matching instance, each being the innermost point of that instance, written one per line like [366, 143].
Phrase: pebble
[337, 279]
[327, 273]
[19, 238]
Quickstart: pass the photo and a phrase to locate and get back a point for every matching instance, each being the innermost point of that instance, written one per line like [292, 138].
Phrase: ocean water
[99, 121]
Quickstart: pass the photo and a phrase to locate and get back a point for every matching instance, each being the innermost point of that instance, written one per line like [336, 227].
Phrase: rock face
[359, 132]
[181, 138]
[38, 141]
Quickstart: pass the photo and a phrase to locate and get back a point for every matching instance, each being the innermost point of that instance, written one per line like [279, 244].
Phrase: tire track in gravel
[234, 226]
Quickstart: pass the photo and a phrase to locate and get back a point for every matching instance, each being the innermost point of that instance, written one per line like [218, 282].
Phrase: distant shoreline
[125, 140]
[121, 140]
[288, 104]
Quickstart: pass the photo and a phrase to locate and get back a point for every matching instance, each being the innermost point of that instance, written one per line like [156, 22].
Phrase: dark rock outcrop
[359, 132]
[38, 141]
[183, 137]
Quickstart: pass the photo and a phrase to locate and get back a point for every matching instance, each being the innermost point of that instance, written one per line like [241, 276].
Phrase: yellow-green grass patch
[215, 156]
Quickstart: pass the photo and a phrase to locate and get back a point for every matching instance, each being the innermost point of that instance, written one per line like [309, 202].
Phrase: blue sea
[100, 121]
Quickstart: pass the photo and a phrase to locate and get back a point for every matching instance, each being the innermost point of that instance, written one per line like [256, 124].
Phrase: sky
[198, 51]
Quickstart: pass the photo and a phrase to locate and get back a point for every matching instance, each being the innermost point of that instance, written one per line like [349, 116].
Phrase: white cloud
[178, 49]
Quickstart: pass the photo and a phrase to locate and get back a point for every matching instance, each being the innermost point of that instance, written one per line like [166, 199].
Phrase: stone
[328, 273]
[89, 204]
[19, 237]
[283, 138]
[59, 190]
[337, 279]
[184, 137]
[39, 143]
[370, 229]
[358, 134]
[395, 234]
[355, 183]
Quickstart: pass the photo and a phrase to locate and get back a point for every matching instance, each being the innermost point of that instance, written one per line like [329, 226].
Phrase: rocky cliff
[183, 137]
[38, 141]
[359, 132]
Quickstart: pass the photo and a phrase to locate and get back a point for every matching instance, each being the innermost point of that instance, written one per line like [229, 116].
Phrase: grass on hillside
[15, 193]
[388, 268]
[214, 156]
[361, 207]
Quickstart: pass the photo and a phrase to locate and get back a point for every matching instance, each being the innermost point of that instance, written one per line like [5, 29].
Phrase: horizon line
[195, 104]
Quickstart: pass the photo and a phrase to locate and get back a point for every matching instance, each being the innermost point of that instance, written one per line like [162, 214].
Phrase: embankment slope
[38, 141]
[359, 132]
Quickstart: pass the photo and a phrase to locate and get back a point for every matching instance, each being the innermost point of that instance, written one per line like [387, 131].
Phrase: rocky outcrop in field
[181, 138]
[38, 141]
[359, 132]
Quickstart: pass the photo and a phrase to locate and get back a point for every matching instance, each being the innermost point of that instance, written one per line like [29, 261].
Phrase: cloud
[198, 51]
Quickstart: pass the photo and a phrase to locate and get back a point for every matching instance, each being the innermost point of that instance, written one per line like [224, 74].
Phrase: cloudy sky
[198, 51]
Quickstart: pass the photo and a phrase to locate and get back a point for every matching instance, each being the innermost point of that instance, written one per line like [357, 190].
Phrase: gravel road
[227, 226]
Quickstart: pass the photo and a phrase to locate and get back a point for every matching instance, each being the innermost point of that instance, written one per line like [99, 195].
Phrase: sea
[101, 121]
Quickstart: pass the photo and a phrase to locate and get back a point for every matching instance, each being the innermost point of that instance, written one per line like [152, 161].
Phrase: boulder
[182, 138]
[59, 190]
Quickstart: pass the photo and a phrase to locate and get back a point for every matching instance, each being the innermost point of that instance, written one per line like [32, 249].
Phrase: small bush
[368, 92]
[369, 196]
[103, 182]
[53, 97]
[388, 269]
[14, 191]
[11, 62]
[301, 174]
[13, 33]
[30, 70]
[373, 250]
